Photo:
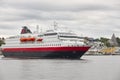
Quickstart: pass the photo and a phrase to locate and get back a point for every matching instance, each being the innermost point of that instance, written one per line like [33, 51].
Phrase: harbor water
[88, 68]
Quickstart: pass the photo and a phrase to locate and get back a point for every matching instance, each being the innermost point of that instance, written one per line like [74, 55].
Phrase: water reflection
[89, 68]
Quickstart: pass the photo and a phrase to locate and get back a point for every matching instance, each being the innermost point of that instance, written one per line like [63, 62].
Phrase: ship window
[69, 36]
[49, 34]
[40, 35]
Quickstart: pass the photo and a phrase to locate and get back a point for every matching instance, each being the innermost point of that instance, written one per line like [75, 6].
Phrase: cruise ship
[54, 43]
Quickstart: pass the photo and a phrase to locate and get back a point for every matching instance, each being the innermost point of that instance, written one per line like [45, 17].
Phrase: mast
[37, 28]
[55, 25]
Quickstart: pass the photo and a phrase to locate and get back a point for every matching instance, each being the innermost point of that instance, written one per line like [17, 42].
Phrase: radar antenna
[55, 25]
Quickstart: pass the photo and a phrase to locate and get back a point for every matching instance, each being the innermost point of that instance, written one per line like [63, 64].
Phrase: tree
[2, 41]
[105, 41]
[118, 41]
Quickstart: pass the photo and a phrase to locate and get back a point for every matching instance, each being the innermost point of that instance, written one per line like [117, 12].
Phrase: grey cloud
[18, 15]
[55, 6]
[25, 10]
[93, 18]
[76, 8]
[6, 27]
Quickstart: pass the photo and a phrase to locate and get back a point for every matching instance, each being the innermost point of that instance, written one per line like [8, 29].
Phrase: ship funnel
[25, 30]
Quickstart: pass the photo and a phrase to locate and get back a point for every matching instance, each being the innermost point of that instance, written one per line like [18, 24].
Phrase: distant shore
[100, 54]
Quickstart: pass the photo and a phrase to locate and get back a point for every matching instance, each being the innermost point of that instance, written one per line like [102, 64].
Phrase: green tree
[2, 41]
[118, 41]
[105, 41]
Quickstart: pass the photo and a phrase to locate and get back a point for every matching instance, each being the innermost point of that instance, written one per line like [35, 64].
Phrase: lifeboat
[31, 39]
[23, 39]
[27, 39]
[40, 39]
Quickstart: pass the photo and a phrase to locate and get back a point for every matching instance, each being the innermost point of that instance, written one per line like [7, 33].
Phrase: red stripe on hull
[37, 49]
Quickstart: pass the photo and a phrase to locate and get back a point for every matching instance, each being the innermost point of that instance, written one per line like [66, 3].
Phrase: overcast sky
[92, 18]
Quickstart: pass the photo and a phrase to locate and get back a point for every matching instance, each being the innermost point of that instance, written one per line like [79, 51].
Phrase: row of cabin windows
[50, 34]
[51, 45]
[58, 45]
[47, 34]
[55, 45]
[47, 44]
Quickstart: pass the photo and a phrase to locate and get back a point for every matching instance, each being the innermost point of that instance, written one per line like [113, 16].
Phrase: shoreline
[101, 54]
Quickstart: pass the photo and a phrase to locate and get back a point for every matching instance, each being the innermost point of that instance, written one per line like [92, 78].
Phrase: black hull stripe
[62, 54]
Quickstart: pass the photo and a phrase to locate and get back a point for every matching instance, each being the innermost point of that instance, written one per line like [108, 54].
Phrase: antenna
[40, 29]
[37, 28]
[55, 25]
